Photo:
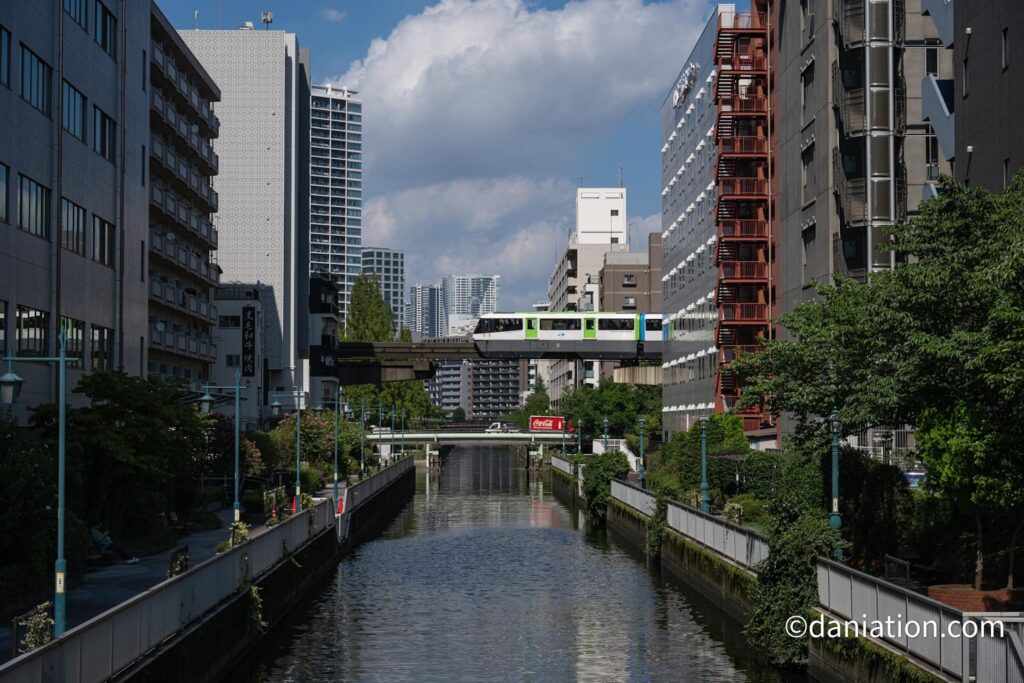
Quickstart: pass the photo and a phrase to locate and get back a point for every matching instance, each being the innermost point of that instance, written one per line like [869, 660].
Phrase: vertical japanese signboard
[249, 341]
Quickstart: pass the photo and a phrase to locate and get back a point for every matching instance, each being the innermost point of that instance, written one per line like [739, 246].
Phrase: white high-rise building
[467, 297]
[425, 311]
[263, 218]
[336, 187]
[387, 267]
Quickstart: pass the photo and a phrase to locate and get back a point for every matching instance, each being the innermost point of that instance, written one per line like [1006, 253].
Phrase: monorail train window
[652, 324]
[560, 323]
[615, 324]
[488, 325]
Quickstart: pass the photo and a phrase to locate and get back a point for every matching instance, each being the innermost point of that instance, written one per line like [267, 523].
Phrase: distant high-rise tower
[336, 187]
[387, 266]
[425, 311]
[469, 296]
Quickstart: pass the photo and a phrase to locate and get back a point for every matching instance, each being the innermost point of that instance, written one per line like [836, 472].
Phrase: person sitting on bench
[101, 537]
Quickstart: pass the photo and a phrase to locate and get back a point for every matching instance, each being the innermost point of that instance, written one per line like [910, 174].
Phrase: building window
[5, 56]
[105, 29]
[72, 231]
[103, 130]
[931, 61]
[1006, 48]
[102, 241]
[33, 329]
[806, 242]
[3, 192]
[102, 343]
[964, 79]
[629, 302]
[1006, 173]
[806, 85]
[75, 342]
[74, 111]
[810, 185]
[78, 10]
[35, 80]
[228, 322]
[629, 280]
[34, 207]
[615, 212]
[233, 360]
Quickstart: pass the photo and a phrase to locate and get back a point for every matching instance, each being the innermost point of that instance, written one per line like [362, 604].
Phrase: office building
[74, 189]
[601, 228]
[264, 145]
[241, 332]
[180, 165]
[336, 187]
[425, 315]
[631, 281]
[387, 267]
[970, 102]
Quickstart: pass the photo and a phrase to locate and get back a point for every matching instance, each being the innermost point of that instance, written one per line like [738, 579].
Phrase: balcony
[941, 12]
[742, 146]
[742, 229]
[731, 353]
[937, 109]
[743, 313]
[851, 193]
[743, 271]
[735, 188]
[739, 104]
[742, 21]
[848, 15]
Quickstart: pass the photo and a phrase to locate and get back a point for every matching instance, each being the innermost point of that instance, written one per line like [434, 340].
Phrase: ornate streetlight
[834, 519]
[705, 505]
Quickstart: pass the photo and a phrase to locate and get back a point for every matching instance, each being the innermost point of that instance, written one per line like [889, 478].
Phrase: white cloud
[474, 109]
[333, 15]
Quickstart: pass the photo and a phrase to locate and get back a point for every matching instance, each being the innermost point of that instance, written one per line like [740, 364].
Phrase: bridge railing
[633, 496]
[740, 544]
[108, 643]
[362, 491]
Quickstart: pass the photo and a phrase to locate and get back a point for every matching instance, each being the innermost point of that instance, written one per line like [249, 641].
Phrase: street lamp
[579, 438]
[275, 410]
[643, 473]
[206, 402]
[705, 506]
[606, 435]
[10, 388]
[362, 438]
[834, 520]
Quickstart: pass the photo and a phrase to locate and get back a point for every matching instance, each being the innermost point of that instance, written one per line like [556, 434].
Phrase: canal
[484, 576]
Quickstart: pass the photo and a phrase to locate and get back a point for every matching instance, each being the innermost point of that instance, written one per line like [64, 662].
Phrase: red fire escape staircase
[741, 178]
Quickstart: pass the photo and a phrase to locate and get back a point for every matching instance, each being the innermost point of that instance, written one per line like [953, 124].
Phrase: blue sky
[482, 115]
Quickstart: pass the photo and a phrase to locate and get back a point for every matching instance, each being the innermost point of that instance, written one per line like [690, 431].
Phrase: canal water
[484, 576]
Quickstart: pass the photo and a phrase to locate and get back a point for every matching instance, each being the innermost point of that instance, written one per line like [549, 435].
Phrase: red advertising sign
[548, 423]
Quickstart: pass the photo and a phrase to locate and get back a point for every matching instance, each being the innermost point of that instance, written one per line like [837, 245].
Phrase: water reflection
[484, 577]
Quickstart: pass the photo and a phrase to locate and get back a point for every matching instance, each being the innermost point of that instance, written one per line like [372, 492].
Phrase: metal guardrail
[561, 465]
[633, 496]
[743, 546]
[107, 644]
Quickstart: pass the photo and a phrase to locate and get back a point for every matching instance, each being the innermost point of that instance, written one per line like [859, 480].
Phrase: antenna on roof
[267, 17]
[620, 177]
[197, 19]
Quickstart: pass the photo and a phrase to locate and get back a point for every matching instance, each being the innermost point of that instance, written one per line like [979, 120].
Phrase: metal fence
[743, 546]
[999, 658]
[106, 644]
[633, 496]
[561, 465]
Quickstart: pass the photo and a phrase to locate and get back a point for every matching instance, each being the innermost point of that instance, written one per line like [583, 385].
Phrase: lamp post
[391, 451]
[10, 388]
[362, 438]
[275, 410]
[606, 435]
[643, 464]
[705, 506]
[206, 405]
[403, 432]
[834, 520]
[579, 439]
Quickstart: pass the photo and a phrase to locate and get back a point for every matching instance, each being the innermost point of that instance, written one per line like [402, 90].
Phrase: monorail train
[561, 334]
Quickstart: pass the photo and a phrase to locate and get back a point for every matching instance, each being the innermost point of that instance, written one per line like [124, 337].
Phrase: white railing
[743, 546]
[633, 496]
[106, 644]
[620, 445]
[561, 465]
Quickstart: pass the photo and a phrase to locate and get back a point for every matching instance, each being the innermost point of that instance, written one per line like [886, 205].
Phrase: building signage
[685, 84]
[548, 423]
[249, 341]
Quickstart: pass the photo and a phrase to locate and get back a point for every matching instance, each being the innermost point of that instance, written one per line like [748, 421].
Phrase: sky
[481, 117]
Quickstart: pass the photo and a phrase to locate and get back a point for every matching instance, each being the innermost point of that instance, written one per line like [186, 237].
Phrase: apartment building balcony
[182, 343]
[937, 109]
[178, 298]
[743, 313]
[848, 15]
[742, 188]
[741, 229]
[743, 146]
[182, 257]
[851, 193]
[848, 103]
[181, 213]
[176, 81]
[739, 272]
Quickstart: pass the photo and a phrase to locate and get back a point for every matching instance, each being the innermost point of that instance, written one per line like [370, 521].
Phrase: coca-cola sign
[548, 423]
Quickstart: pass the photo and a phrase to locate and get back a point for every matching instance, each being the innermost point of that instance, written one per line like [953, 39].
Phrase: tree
[937, 344]
[598, 471]
[622, 404]
[369, 316]
[536, 403]
[459, 415]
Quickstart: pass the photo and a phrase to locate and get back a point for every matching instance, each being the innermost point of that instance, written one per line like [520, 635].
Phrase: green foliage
[787, 585]
[751, 510]
[872, 496]
[256, 607]
[937, 344]
[459, 415]
[760, 473]
[537, 403]
[598, 472]
[38, 628]
[679, 458]
[622, 404]
[369, 316]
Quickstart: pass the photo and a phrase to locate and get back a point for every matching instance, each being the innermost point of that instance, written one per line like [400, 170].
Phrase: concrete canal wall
[201, 623]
